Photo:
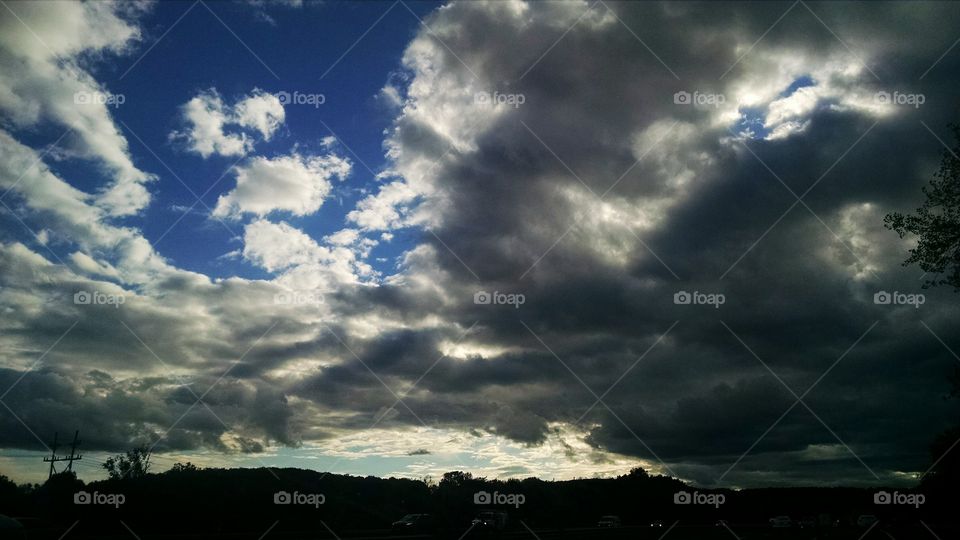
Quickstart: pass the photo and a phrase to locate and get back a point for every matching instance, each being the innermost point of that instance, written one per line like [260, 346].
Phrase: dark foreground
[677, 531]
[295, 504]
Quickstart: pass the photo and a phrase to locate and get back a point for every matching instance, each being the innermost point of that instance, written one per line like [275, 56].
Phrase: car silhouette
[414, 523]
[781, 522]
[490, 520]
[609, 521]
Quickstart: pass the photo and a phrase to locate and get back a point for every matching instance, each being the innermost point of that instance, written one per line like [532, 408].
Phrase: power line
[73, 449]
[54, 458]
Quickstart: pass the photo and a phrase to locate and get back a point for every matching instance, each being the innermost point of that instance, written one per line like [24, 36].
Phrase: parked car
[781, 522]
[609, 521]
[490, 520]
[414, 523]
[11, 528]
[866, 520]
[656, 523]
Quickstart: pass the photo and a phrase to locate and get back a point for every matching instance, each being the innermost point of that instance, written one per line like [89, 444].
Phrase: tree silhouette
[937, 226]
[937, 222]
[183, 468]
[455, 479]
[134, 464]
[637, 473]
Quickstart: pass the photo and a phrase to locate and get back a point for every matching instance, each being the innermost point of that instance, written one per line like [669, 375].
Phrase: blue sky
[296, 46]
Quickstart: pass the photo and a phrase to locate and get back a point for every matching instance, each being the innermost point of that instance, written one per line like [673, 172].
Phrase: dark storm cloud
[799, 298]
[115, 414]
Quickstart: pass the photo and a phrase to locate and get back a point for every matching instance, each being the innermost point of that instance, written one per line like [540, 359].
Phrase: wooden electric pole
[69, 459]
[73, 451]
[53, 456]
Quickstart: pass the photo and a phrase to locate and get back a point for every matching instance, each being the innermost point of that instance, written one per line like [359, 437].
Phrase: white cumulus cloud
[211, 126]
[44, 77]
[296, 183]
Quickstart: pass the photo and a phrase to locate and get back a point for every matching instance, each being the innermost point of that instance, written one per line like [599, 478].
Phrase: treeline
[226, 501]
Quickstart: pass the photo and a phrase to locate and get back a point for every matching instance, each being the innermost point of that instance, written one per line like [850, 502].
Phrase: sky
[552, 239]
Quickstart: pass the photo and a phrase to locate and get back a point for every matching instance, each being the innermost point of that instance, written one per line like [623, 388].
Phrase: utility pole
[69, 459]
[73, 449]
[53, 456]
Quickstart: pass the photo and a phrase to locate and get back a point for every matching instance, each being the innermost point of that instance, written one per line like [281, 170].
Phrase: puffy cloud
[73, 217]
[278, 246]
[45, 51]
[297, 184]
[388, 209]
[302, 263]
[90, 265]
[353, 238]
[214, 127]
